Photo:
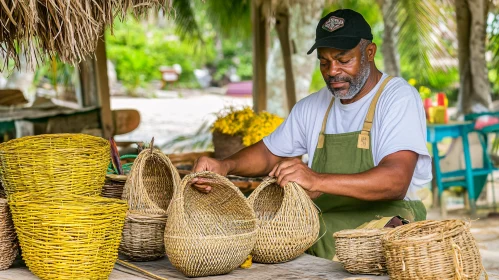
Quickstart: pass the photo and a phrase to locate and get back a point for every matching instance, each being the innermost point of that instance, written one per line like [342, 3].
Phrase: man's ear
[371, 51]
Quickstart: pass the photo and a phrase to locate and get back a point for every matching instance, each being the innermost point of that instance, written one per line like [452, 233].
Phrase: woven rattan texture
[151, 182]
[8, 244]
[71, 237]
[143, 237]
[54, 163]
[432, 250]
[113, 186]
[209, 234]
[289, 221]
[361, 250]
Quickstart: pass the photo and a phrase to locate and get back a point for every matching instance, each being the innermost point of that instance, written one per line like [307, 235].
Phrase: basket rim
[390, 239]
[7, 146]
[255, 231]
[364, 232]
[116, 177]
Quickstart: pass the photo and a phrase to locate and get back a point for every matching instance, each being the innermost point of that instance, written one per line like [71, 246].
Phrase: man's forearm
[253, 161]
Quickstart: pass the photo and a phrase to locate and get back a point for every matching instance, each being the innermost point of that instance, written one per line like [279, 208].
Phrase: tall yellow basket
[55, 163]
[70, 237]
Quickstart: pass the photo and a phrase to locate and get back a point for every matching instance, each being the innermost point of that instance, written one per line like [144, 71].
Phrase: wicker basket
[151, 183]
[113, 186]
[289, 221]
[361, 250]
[74, 237]
[8, 244]
[432, 250]
[209, 234]
[54, 163]
[143, 237]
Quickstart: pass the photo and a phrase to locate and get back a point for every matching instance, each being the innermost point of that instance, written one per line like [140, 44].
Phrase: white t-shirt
[399, 124]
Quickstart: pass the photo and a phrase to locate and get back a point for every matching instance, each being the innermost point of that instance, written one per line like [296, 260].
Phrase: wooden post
[103, 89]
[260, 46]
[282, 27]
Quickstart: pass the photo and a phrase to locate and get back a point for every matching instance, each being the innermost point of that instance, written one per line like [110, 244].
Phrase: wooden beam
[260, 47]
[282, 27]
[103, 89]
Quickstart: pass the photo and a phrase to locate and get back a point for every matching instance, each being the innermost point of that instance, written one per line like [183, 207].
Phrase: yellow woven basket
[209, 234]
[289, 221]
[55, 163]
[8, 244]
[72, 237]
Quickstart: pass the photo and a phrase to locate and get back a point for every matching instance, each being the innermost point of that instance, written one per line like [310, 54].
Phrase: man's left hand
[294, 170]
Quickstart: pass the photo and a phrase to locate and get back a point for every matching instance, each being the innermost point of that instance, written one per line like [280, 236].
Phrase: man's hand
[208, 164]
[294, 170]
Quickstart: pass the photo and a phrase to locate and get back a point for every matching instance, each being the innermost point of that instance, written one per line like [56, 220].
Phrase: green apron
[349, 153]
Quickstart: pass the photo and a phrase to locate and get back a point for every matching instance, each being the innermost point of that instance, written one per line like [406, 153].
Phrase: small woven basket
[432, 250]
[71, 237]
[209, 234]
[361, 250]
[8, 244]
[289, 221]
[54, 163]
[113, 186]
[143, 237]
[151, 182]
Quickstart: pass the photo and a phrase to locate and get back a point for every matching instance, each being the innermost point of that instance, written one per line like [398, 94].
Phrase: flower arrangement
[251, 126]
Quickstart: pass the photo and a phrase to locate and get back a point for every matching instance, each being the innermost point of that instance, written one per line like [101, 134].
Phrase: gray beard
[357, 82]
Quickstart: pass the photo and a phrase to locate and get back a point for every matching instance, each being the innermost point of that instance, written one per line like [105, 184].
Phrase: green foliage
[493, 47]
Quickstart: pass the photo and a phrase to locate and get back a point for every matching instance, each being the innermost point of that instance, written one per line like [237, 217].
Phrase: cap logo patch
[333, 23]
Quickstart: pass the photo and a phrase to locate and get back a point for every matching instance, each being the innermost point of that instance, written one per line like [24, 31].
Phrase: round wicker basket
[209, 234]
[8, 244]
[289, 221]
[113, 186]
[432, 250]
[143, 237]
[71, 237]
[361, 250]
[54, 163]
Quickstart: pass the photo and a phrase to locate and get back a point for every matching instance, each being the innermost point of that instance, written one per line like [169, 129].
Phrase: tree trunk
[302, 23]
[260, 47]
[282, 27]
[391, 57]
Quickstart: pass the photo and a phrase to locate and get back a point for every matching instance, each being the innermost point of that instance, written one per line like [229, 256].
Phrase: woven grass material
[432, 250]
[54, 163]
[8, 244]
[151, 182]
[2, 191]
[361, 250]
[143, 237]
[70, 237]
[289, 221]
[114, 185]
[209, 234]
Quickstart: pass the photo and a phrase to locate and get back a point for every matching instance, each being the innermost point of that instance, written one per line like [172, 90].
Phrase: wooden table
[304, 267]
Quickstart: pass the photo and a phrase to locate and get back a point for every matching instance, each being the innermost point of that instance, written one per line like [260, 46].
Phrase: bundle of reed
[139, 8]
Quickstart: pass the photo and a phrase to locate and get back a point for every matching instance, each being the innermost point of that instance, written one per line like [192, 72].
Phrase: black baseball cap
[341, 29]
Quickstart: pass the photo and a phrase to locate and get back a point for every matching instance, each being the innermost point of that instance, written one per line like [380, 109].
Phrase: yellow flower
[412, 81]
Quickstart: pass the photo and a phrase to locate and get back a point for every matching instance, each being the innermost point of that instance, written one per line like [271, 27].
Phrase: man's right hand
[208, 164]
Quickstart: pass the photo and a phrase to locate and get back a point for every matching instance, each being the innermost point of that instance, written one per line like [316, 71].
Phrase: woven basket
[74, 237]
[289, 221]
[113, 186]
[151, 182]
[143, 237]
[432, 250]
[8, 245]
[209, 234]
[54, 163]
[361, 250]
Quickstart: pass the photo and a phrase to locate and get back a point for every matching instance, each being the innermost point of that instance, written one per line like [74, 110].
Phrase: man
[365, 134]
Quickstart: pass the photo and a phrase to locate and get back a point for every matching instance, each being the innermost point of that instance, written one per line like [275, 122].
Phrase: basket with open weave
[68, 237]
[209, 234]
[361, 250]
[289, 221]
[113, 186]
[8, 245]
[432, 250]
[148, 191]
[54, 163]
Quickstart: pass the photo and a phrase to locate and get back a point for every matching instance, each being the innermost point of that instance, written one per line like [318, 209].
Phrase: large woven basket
[8, 244]
[54, 163]
[361, 250]
[113, 186]
[209, 234]
[143, 237]
[149, 187]
[432, 250]
[289, 221]
[70, 237]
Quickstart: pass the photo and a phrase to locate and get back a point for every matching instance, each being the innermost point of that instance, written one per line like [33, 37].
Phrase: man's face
[345, 72]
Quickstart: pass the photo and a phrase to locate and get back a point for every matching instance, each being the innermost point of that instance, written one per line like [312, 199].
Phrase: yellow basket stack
[54, 163]
[69, 237]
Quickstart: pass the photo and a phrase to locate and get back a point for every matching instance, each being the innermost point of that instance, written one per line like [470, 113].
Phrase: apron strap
[320, 143]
